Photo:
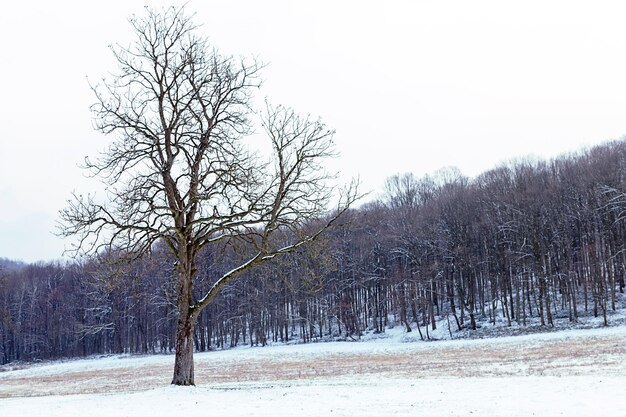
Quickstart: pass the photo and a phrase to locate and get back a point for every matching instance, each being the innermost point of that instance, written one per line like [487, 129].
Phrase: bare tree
[178, 170]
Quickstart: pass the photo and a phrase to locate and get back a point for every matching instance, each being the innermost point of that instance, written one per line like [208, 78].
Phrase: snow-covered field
[568, 373]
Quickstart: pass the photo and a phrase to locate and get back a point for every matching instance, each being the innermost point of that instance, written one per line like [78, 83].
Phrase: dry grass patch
[600, 355]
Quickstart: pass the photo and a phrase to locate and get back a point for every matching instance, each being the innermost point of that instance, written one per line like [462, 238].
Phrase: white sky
[408, 85]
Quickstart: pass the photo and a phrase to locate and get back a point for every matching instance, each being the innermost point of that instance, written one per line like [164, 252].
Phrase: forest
[528, 241]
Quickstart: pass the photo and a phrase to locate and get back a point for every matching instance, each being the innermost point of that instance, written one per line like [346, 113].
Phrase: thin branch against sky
[409, 86]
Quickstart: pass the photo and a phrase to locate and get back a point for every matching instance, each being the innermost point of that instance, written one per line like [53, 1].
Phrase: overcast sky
[408, 85]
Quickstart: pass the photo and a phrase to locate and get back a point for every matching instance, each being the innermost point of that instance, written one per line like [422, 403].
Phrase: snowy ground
[569, 373]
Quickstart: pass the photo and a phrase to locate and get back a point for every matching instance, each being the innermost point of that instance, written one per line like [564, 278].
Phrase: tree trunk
[183, 363]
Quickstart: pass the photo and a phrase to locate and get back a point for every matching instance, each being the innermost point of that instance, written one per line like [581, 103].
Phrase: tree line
[529, 241]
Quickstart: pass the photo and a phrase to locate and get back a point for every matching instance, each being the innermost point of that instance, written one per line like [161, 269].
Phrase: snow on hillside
[570, 373]
[549, 396]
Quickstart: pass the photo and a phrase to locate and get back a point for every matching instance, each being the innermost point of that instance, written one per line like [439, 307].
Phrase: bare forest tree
[179, 171]
[526, 246]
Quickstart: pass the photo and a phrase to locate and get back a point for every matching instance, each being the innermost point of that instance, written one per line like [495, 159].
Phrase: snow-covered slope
[570, 373]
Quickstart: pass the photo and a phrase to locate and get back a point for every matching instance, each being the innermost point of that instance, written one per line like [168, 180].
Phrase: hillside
[573, 373]
[529, 246]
